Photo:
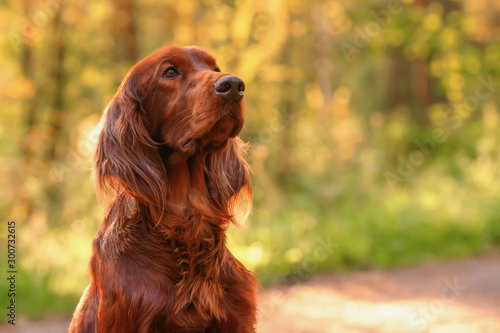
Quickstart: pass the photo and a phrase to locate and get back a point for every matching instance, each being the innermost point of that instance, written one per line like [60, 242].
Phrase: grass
[35, 299]
[360, 236]
[447, 208]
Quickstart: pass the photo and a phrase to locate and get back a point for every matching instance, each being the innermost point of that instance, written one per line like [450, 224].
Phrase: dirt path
[453, 297]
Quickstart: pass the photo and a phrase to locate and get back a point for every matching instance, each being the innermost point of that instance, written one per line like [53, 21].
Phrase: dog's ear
[228, 180]
[126, 160]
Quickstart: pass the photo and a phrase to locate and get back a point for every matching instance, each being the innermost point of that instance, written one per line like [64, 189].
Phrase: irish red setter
[169, 158]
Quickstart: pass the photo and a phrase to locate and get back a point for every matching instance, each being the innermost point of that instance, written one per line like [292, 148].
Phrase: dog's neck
[201, 240]
[188, 192]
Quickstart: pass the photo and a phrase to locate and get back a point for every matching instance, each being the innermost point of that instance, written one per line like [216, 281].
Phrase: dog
[170, 167]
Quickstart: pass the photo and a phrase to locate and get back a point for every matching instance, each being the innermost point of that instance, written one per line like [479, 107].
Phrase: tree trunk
[286, 110]
[54, 192]
[29, 105]
[60, 80]
[124, 32]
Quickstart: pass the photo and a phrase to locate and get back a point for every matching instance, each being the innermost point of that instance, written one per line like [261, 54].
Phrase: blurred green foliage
[374, 128]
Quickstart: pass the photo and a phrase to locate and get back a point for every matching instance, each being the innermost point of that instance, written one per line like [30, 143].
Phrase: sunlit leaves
[19, 88]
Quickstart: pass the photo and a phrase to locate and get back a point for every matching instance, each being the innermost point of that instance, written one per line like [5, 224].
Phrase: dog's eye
[217, 69]
[170, 73]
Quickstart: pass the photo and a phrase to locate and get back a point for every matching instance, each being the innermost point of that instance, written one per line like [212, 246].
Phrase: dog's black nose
[230, 88]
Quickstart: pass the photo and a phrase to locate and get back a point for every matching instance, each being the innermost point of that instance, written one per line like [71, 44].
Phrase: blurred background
[374, 128]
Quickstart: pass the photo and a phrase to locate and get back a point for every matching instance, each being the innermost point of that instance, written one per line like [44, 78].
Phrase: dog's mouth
[222, 131]
[215, 130]
[215, 138]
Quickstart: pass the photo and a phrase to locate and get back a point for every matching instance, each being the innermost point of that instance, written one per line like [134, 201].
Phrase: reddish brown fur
[159, 262]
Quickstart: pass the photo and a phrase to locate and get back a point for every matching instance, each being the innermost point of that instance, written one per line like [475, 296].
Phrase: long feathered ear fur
[228, 181]
[126, 160]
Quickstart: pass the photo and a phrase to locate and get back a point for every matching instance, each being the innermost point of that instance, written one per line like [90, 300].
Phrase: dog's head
[175, 102]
